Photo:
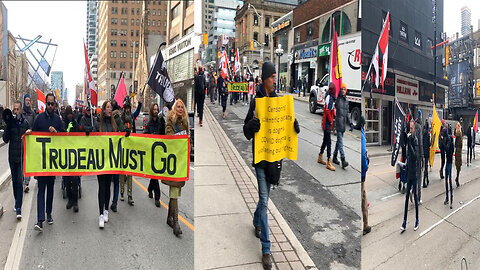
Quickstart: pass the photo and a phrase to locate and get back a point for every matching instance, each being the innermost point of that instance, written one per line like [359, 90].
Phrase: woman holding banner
[106, 123]
[156, 125]
[177, 124]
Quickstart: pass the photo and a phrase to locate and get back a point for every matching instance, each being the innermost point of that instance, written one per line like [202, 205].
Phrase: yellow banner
[145, 155]
[241, 87]
[276, 138]
[436, 125]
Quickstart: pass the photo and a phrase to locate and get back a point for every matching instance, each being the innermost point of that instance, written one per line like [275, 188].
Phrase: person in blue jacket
[365, 161]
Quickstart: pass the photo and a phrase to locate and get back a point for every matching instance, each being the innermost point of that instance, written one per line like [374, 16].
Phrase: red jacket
[328, 110]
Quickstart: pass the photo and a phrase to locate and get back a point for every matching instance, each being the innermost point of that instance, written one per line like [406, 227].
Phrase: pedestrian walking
[48, 121]
[470, 143]
[426, 152]
[200, 85]
[222, 93]
[411, 168]
[449, 148]
[156, 125]
[107, 123]
[342, 118]
[419, 151]
[458, 151]
[441, 144]
[29, 116]
[264, 170]
[299, 86]
[71, 182]
[177, 123]
[327, 127]
[16, 126]
[212, 87]
[365, 162]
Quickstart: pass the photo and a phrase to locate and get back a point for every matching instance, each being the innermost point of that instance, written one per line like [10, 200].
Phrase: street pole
[278, 74]
[434, 52]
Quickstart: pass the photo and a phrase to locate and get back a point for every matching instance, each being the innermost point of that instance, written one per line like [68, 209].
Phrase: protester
[419, 151]
[470, 143]
[441, 144]
[250, 127]
[107, 123]
[458, 151]
[200, 85]
[411, 165]
[156, 125]
[212, 87]
[448, 169]
[426, 152]
[71, 182]
[365, 162]
[87, 124]
[222, 93]
[177, 123]
[47, 121]
[29, 116]
[17, 125]
[327, 126]
[341, 120]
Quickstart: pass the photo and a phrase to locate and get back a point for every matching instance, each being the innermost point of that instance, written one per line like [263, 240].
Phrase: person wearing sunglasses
[47, 121]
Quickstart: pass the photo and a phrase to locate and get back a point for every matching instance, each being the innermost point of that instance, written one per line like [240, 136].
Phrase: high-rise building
[92, 28]
[57, 82]
[119, 32]
[208, 8]
[466, 20]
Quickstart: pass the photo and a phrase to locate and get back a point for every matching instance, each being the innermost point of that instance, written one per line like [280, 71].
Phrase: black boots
[335, 160]
[267, 261]
[344, 163]
[172, 219]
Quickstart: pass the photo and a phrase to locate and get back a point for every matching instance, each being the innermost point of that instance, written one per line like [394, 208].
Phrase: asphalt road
[321, 207]
[445, 236]
[136, 237]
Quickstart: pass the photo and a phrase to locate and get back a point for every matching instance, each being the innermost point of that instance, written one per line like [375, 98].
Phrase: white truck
[350, 51]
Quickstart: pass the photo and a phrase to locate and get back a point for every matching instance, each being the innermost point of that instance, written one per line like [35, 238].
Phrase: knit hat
[25, 97]
[419, 114]
[268, 69]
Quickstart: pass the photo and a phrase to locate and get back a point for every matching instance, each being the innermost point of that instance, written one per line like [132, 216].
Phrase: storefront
[323, 60]
[305, 64]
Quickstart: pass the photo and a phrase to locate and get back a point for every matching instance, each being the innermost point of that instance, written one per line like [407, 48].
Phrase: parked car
[191, 122]
[141, 122]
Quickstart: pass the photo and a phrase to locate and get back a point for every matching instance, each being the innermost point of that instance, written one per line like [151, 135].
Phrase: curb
[4, 179]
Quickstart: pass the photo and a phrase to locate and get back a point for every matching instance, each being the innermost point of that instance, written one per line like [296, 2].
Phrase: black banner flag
[159, 80]
[399, 117]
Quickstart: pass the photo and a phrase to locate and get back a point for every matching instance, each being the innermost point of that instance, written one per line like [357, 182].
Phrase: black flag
[159, 80]
[399, 117]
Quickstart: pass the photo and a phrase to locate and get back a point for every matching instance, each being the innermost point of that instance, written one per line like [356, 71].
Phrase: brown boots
[172, 218]
[328, 163]
[320, 159]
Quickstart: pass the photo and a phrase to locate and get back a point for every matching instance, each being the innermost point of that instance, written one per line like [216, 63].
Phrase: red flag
[335, 64]
[90, 87]
[41, 101]
[224, 64]
[475, 123]
[120, 93]
[383, 44]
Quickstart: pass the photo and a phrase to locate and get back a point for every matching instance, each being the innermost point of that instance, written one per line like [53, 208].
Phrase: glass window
[137, 33]
[148, 22]
[136, 55]
[159, 23]
[136, 44]
[255, 36]
[131, 54]
[133, 22]
[133, 11]
[255, 20]
[267, 21]
[138, 22]
[154, 10]
[267, 39]
[175, 11]
[159, 12]
[122, 64]
[153, 22]
[138, 11]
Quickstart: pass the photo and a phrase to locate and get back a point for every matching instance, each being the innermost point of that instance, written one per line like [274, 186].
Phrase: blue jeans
[116, 186]
[448, 178]
[17, 184]
[339, 145]
[260, 217]
[44, 182]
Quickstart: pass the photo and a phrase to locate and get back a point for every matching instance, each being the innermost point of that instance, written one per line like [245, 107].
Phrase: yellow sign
[276, 138]
[436, 125]
[240, 87]
[145, 155]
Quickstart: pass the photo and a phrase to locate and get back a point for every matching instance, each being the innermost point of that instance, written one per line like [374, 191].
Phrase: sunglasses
[51, 103]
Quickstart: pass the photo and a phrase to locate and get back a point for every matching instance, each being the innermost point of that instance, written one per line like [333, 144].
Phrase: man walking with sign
[267, 172]
[47, 121]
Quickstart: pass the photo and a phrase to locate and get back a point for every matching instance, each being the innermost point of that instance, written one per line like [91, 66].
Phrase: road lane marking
[447, 216]
[390, 196]
[166, 206]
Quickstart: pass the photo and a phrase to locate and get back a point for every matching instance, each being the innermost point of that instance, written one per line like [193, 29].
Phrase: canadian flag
[41, 101]
[90, 88]
[251, 88]
[224, 63]
[237, 67]
[383, 44]
[375, 65]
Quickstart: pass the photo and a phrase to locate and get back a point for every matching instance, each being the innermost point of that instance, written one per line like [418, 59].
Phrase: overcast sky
[452, 15]
[62, 21]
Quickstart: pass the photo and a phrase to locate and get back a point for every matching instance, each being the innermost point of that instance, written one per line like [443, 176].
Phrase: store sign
[324, 50]
[406, 88]
[281, 26]
[313, 64]
[306, 54]
[403, 33]
[418, 40]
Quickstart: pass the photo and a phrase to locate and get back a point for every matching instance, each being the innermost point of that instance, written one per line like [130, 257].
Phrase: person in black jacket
[426, 152]
[16, 127]
[412, 163]
[250, 127]
[470, 144]
[156, 125]
[47, 121]
[441, 143]
[200, 84]
[71, 182]
[222, 92]
[449, 149]
[342, 118]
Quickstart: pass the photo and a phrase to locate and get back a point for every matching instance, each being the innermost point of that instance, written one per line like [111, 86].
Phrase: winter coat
[170, 129]
[458, 148]
[46, 120]
[250, 134]
[449, 148]
[129, 120]
[426, 142]
[419, 150]
[470, 137]
[13, 136]
[412, 146]
[155, 126]
[75, 127]
[86, 123]
[222, 91]
[29, 115]
[443, 138]
[364, 155]
[342, 118]
[200, 85]
[327, 123]
[106, 124]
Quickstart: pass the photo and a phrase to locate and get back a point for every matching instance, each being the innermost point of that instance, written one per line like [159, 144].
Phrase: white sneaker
[105, 215]
[19, 216]
[101, 222]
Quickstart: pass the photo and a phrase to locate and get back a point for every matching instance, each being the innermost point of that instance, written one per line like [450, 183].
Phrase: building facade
[56, 82]
[283, 39]
[3, 54]
[466, 20]
[119, 32]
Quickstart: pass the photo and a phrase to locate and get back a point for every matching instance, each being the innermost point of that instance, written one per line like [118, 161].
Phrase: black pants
[200, 102]
[155, 187]
[327, 142]
[104, 181]
[411, 185]
[469, 154]
[71, 185]
[442, 154]
[425, 172]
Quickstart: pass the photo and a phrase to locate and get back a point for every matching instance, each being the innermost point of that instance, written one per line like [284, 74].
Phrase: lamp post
[261, 44]
[279, 53]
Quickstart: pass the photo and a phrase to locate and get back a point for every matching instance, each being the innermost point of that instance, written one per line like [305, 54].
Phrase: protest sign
[240, 87]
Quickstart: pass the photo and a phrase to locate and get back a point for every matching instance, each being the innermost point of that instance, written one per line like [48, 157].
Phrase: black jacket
[200, 85]
[449, 149]
[412, 145]
[426, 142]
[75, 126]
[46, 120]
[86, 123]
[442, 141]
[13, 135]
[155, 127]
[342, 117]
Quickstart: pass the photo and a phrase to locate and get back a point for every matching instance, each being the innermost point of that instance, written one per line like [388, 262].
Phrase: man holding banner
[267, 173]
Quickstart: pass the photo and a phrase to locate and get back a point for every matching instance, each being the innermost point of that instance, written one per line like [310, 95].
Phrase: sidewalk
[225, 199]
[296, 97]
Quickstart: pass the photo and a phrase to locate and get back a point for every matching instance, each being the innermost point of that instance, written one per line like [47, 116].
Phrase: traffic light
[251, 45]
[205, 39]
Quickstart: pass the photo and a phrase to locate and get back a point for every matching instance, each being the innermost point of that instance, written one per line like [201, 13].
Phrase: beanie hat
[267, 70]
[25, 97]
[419, 114]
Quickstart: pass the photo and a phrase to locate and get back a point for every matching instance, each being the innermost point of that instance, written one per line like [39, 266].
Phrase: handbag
[272, 172]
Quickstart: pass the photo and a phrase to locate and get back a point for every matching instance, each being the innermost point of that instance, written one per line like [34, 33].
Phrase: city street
[445, 235]
[136, 237]
[321, 207]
